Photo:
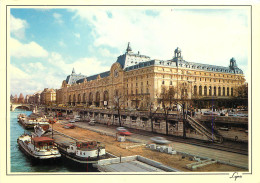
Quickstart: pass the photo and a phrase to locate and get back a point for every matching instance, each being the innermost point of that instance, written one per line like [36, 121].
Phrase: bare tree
[151, 112]
[166, 98]
[183, 91]
[242, 91]
[118, 102]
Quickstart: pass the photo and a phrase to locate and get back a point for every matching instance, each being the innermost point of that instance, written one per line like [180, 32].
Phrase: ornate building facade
[135, 81]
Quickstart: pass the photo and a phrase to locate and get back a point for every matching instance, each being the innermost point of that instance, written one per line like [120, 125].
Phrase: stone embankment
[131, 148]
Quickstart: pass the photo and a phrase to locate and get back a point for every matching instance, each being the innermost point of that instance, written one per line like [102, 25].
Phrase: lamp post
[190, 91]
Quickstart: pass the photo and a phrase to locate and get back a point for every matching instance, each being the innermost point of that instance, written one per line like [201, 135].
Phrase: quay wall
[141, 121]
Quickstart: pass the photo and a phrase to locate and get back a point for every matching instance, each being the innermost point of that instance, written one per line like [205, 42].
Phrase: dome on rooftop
[177, 50]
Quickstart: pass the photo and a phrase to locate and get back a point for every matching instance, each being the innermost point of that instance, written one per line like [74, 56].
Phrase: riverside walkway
[224, 157]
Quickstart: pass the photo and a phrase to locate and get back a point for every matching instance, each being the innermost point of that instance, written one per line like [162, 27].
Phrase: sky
[46, 44]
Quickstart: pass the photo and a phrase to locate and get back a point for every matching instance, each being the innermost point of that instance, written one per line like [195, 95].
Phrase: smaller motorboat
[38, 148]
[39, 130]
[21, 117]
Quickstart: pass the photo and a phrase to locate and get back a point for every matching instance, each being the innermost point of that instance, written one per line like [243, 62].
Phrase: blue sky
[45, 44]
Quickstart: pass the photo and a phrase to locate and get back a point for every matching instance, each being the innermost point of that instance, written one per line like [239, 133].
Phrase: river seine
[19, 162]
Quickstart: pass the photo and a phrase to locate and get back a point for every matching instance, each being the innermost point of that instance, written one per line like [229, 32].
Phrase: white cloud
[16, 73]
[22, 82]
[52, 74]
[89, 66]
[106, 53]
[62, 44]
[77, 35]
[58, 18]
[86, 66]
[33, 67]
[211, 38]
[17, 27]
[32, 49]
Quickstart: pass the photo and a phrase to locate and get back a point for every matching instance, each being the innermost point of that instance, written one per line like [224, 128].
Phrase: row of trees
[169, 98]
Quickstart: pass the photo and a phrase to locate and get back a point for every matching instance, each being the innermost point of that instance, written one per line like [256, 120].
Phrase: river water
[21, 163]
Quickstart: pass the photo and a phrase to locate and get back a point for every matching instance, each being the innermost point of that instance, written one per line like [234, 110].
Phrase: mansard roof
[184, 64]
[73, 77]
[131, 61]
[93, 77]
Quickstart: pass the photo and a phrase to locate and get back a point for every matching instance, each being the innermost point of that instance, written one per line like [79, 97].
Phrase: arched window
[195, 90]
[97, 97]
[215, 91]
[205, 90]
[227, 91]
[84, 97]
[116, 93]
[232, 92]
[90, 98]
[79, 99]
[200, 90]
[74, 98]
[219, 91]
[224, 91]
[210, 90]
[106, 98]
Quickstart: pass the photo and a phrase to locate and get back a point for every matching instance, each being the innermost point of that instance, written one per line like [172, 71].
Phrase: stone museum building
[135, 81]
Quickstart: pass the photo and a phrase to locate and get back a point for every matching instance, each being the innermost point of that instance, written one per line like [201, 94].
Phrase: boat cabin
[89, 144]
[43, 142]
[86, 149]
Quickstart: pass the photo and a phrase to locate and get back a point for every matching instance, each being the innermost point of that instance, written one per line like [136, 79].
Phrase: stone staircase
[203, 130]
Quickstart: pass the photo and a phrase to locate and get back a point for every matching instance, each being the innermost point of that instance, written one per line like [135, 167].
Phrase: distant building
[48, 96]
[27, 98]
[37, 97]
[21, 98]
[11, 98]
[15, 99]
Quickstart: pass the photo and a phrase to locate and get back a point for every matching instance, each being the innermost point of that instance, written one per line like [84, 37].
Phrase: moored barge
[38, 148]
[83, 153]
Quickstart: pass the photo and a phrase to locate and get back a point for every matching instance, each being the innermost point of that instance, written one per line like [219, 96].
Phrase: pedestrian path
[203, 152]
[222, 156]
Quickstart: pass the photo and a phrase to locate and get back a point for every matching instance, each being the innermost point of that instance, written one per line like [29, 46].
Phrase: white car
[92, 122]
[120, 128]
[160, 140]
[72, 121]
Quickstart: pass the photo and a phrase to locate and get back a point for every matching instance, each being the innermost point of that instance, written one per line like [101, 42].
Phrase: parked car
[124, 132]
[120, 128]
[211, 113]
[92, 122]
[77, 119]
[160, 140]
[69, 126]
[72, 121]
[242, 115]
